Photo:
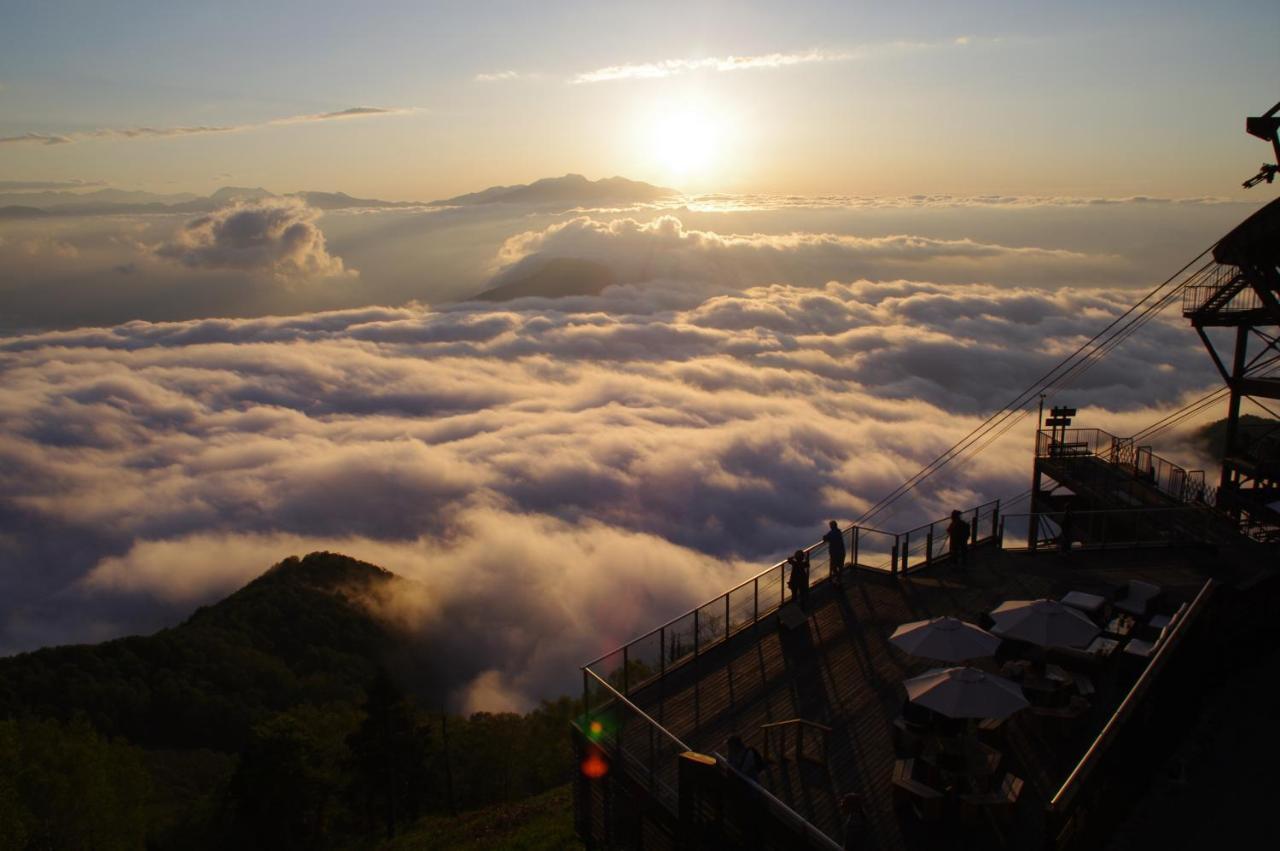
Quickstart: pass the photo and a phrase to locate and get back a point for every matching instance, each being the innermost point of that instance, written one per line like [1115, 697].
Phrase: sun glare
[685, 143]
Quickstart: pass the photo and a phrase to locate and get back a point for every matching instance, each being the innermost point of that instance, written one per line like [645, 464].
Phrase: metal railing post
[726, 616]
[928, 547]
[854, 548]
[626, 655]
[755, 600]
[893, 557]
[906, 551]
[996, 523]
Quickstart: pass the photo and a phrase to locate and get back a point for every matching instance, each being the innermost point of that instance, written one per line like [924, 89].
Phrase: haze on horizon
[411, 101]
[892, 219]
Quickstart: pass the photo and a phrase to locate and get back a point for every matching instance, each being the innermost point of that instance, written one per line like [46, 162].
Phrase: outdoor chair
[1138, 595]
[999, 804]
[908, 738]
[1144, 649]
[922, 799]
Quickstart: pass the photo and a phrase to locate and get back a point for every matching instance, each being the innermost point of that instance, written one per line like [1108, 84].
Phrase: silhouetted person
[835, 549]
[854, 819]
[745, 759]
[798, 582]
[958, 533]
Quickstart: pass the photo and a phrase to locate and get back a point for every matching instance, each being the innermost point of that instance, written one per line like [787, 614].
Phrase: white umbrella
[947, 639]
[965, 693]
[1047, 623]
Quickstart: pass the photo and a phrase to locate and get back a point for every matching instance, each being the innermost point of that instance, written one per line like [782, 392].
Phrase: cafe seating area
[951, 768]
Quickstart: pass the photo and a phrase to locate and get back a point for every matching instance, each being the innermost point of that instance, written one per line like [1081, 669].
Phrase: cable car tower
[1241, 291]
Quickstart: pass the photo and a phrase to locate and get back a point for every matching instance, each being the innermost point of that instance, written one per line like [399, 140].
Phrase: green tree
[66, 787]
[391, 754]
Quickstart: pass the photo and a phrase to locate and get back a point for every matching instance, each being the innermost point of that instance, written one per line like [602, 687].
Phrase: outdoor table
[1121, 625]
[1103, 647]
[1091, 604]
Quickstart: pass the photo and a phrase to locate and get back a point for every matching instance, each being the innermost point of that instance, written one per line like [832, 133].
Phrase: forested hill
[294, 635]
[271, 720]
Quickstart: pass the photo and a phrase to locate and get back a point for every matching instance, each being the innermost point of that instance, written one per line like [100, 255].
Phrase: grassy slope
[541, 823]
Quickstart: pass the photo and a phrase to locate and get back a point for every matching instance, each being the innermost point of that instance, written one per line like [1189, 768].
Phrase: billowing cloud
[153, 132]
[522, 462]
[664, 248]
[278, 236]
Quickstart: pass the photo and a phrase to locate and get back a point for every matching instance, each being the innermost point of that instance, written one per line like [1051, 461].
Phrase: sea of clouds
[559, 475]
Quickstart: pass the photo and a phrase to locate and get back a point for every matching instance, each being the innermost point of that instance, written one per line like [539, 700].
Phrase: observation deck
[820, 697]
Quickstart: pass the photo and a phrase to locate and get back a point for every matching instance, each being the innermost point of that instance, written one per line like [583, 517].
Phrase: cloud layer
[664, 248]
[565, 449]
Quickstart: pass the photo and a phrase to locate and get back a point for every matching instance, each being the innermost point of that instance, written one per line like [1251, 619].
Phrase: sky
[886, 222]
[1098, 98]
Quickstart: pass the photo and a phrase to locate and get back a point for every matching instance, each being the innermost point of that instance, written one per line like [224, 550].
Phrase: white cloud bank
[558, 475]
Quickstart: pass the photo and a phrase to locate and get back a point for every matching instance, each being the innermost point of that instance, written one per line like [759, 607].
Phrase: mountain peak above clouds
[571, 188]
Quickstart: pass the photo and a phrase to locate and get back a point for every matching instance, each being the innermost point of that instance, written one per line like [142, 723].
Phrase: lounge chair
[1138, 595]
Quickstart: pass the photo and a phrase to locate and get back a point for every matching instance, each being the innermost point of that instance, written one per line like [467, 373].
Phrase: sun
[685, 142]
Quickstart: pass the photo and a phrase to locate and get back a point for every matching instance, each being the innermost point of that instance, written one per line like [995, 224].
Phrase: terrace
[822, 696]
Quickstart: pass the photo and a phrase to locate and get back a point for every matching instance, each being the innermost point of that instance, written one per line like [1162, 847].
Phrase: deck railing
[647, 750]
[650, 755]
[1147, 468]
[1115, 528]
[687, 636]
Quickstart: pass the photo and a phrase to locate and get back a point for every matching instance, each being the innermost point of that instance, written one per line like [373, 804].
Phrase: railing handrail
[776, 566]
[636, 709]
[772, 724]
[805, 825]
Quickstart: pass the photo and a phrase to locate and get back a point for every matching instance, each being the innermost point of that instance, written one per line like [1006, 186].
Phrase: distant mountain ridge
[572, 188]
[569, 190]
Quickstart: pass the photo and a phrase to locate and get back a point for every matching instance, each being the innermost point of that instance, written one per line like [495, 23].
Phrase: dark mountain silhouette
[17, 211]
[231, 194]
[1259, 435]
[570, 189]
[343, 201]
[557, 277]
[269, 720]
[295, 635]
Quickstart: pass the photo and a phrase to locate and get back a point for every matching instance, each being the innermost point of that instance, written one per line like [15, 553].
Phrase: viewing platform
[822, 696]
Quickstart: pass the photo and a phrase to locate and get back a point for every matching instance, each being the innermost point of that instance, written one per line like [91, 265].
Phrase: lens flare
[594, 766]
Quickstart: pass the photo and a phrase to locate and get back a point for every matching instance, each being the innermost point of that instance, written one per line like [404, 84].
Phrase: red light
[594, 766]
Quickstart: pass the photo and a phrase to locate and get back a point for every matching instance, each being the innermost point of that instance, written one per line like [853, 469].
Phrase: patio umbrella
[965, 693]
[1047, 623]
[946, 639]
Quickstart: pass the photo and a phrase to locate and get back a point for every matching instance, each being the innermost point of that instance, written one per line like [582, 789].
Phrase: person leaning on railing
[835, 548]
[798, 582]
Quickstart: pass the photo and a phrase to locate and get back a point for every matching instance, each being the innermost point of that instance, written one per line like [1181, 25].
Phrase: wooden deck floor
[839, 669]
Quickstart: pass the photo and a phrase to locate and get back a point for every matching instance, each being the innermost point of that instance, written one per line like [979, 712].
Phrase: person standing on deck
[798, 582]
[958, 533]
[835, 549]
